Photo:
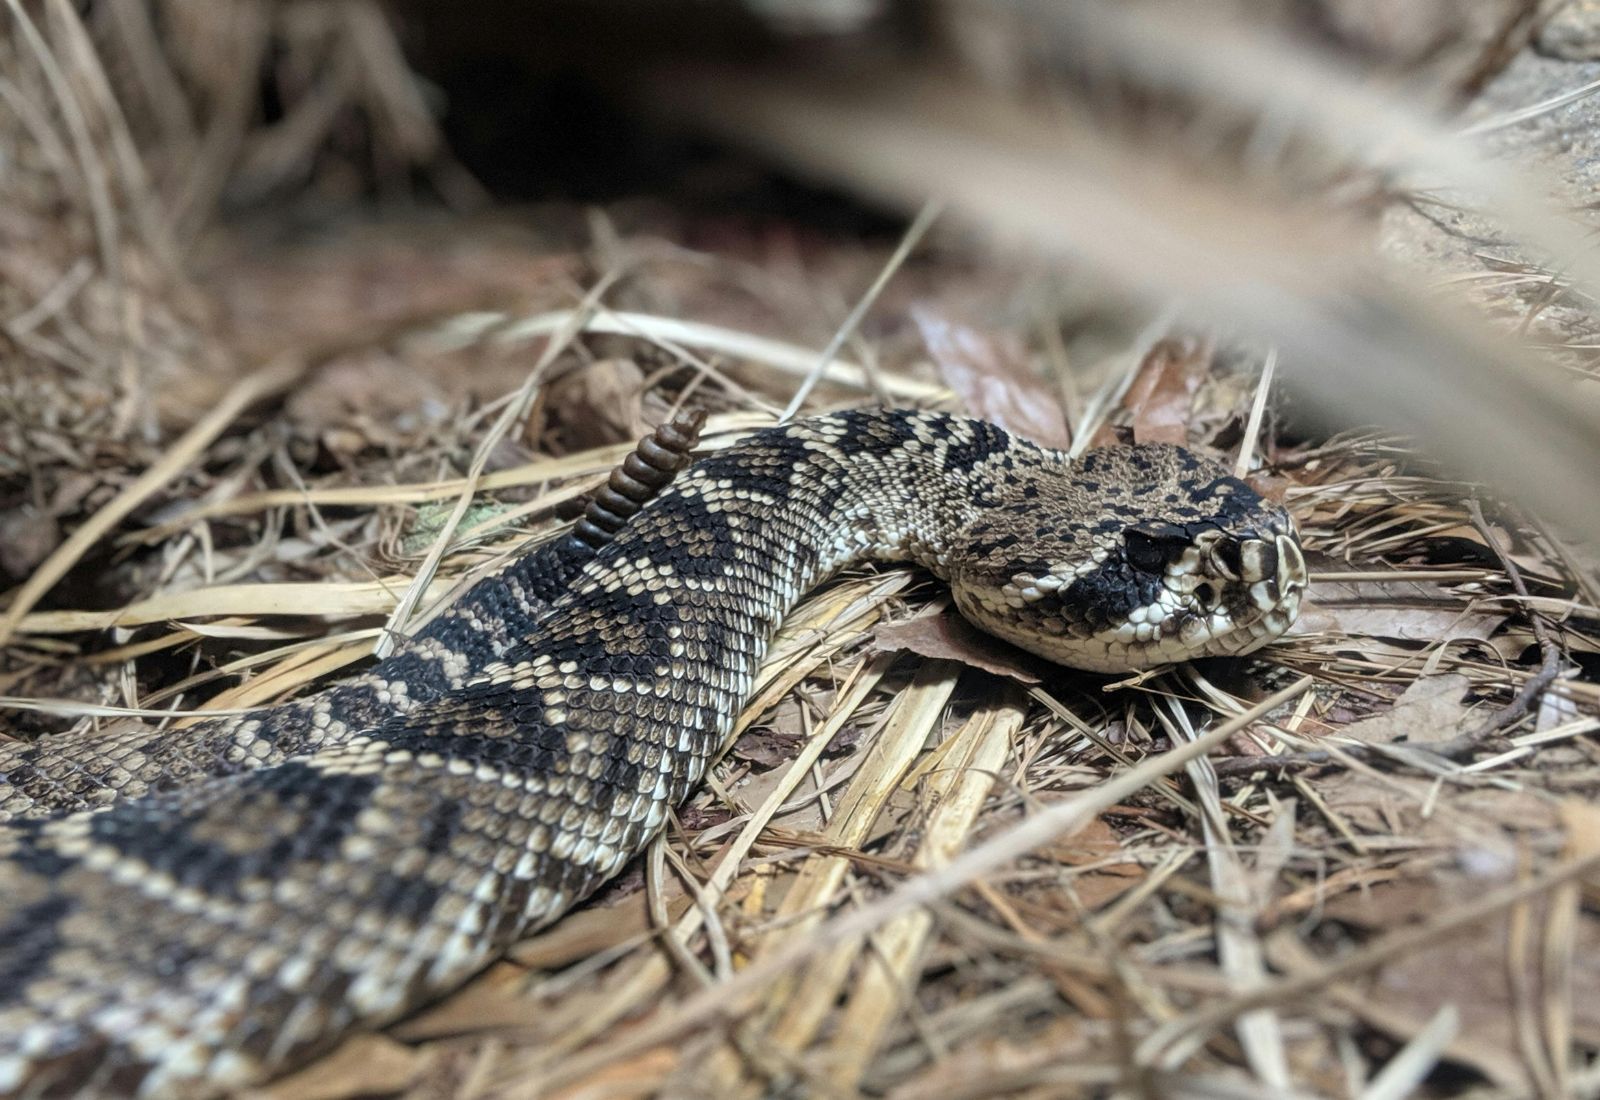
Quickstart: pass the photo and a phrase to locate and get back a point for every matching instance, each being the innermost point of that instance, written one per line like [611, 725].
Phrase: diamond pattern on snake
[189, 912]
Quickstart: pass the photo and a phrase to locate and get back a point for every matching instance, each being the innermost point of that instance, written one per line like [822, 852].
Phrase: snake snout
[1274, 573]
[1259, 561]
[1251, 558]
[1294, 574]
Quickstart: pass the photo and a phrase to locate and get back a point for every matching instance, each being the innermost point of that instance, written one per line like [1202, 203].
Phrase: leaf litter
[1257, 921]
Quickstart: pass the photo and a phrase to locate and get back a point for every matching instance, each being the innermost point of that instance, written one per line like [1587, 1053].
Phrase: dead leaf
[1431, 709]
[369, 398]
[365, 1065]
[946, 636]
[1484, 819]
[989, 372]
[1273, 487]
[1408, 611]
[1403, 624]
[1402, 1022]
[1162, 394]
[1470, 970]
[599, 405]
[767, 746]
[1094, 843]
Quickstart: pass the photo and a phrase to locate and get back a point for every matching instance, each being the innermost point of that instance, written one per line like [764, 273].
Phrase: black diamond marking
[986, 441]
[159, 832]
[1109, 593]
[29, 941]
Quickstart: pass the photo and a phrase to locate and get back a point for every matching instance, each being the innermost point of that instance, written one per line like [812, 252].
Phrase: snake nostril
[1206, 593]
[1260, 561]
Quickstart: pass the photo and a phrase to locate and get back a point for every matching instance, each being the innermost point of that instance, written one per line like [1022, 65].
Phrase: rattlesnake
[189, 912]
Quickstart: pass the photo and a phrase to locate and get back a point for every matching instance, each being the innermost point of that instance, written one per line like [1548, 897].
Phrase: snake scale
[188, 912]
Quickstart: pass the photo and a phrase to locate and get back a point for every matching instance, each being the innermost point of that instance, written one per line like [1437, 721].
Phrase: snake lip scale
[185, 912]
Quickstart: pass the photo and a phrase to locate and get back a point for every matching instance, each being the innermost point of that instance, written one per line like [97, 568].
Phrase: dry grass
[913, 875]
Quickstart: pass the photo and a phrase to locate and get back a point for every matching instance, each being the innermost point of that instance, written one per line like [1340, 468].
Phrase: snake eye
[1149, 547]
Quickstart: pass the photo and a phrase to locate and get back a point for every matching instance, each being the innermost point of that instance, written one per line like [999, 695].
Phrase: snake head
[1181, 561]
[1222, 590]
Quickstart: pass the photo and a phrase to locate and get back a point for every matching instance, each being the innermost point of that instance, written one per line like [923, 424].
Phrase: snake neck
[875, 485]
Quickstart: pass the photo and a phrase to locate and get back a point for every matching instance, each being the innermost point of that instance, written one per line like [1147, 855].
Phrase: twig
[1167, 1046]
[268, 381]
[1456, 748]
[1534, 686]
[1288, 761]
[924, 219]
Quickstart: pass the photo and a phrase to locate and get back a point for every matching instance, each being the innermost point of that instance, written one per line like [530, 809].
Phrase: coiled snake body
[188, 912]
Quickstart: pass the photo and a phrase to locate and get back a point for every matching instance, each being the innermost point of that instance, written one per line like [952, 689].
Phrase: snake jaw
[1197, 610]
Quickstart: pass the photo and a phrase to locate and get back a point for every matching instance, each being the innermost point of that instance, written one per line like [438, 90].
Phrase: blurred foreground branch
[1242, 246]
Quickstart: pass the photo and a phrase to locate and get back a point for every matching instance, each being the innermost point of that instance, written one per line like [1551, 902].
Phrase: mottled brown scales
[255, 888]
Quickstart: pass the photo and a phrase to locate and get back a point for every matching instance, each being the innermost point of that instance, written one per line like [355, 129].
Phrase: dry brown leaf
[947, 636]
[1478, 828]
[369, 398]
[771, 746]
[1273, 487]
[1409, 611]
[1405, 624]
[1162, 394]
[600, 404]
[1431, 709]
[1093, 844]
[366, 1065]
[1472, 970]
[989, 371]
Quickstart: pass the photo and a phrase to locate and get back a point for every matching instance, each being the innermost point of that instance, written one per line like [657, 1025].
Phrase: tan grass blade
[323, 598]
[1238, 948]
[956, 790]
[179, 457]
[1358, 339]
[793, 1013]
[776, 354]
